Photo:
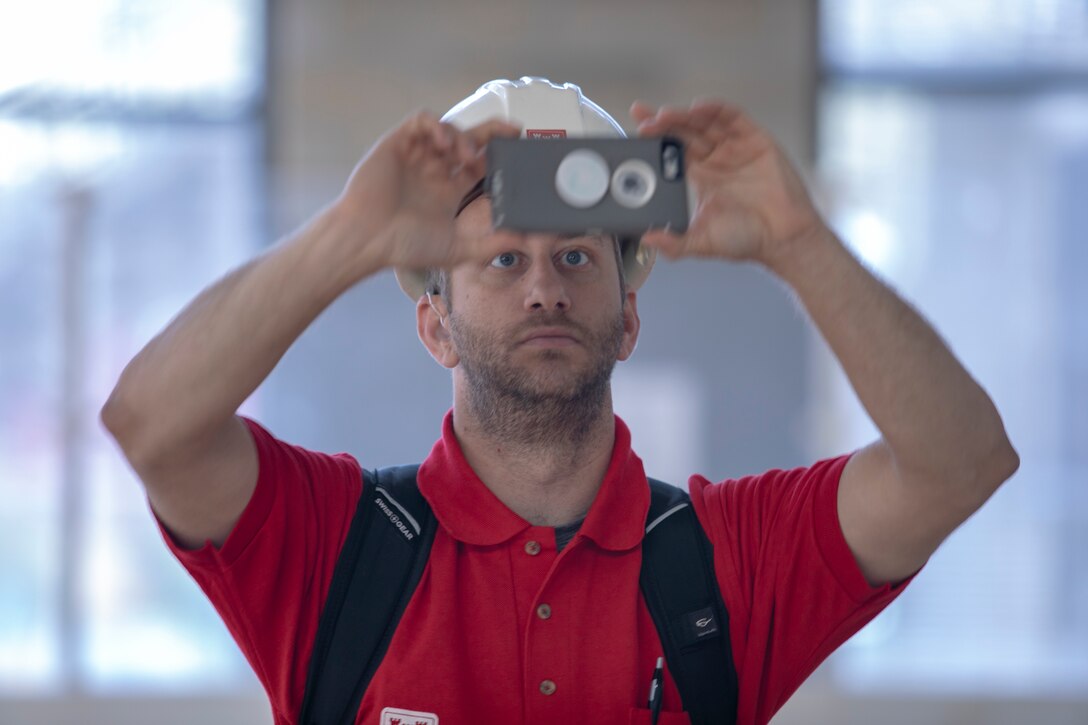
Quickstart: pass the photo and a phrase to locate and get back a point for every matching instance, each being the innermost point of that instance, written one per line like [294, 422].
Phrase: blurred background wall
[147, 147]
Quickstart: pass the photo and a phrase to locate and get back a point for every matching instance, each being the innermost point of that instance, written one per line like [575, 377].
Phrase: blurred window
[954, 157]
[954, 37]
[130, 166]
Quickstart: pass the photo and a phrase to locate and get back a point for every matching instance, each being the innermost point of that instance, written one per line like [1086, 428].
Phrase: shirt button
[544, 611]
[532, 548]
[547, 687]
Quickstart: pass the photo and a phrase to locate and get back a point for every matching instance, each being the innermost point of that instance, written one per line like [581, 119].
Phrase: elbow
[123, 422]
[996, 465]
[113, 415]
[993, 459]
[1006, 461]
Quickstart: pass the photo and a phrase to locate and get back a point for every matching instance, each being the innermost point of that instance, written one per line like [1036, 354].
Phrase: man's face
[537, 315]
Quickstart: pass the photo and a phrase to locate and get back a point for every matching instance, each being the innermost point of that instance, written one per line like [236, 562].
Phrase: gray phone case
[521, 181]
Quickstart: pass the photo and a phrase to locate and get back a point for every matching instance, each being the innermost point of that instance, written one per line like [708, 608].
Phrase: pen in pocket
[654, 702]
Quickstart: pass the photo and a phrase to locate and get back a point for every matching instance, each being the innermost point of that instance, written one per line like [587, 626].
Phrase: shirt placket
[533, 556]
[546, 684]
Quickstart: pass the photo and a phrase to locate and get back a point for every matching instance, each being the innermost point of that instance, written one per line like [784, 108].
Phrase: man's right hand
[403, 195]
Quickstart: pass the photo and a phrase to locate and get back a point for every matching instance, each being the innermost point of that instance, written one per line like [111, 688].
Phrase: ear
[631, 325]
[432, 320]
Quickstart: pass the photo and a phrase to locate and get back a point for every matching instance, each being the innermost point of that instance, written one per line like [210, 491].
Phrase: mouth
[550, 337]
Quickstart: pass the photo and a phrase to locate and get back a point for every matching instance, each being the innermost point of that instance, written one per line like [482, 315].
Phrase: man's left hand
[750, 202]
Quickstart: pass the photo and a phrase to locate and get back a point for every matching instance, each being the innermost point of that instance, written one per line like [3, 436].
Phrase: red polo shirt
[505, 629]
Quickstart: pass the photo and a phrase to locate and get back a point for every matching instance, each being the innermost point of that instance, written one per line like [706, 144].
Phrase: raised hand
[402, 196]
[751, 204]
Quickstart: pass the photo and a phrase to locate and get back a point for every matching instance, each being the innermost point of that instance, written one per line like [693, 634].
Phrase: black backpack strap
[377, 572]
[686, 605]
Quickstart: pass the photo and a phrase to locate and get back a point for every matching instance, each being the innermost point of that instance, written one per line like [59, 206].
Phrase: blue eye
[576, 258]
[506, 259]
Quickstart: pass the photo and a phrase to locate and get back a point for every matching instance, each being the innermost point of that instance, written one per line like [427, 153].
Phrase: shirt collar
[469, 512]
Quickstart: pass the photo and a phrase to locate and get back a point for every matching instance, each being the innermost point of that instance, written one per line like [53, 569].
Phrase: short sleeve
[793, 590]
[269, 579]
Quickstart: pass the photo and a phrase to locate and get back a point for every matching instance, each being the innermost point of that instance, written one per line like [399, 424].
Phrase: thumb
[665, 241]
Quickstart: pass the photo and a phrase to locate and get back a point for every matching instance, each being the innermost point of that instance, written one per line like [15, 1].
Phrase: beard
[548, 400]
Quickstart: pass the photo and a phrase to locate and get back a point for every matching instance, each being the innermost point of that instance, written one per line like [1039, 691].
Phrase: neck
[542, 462]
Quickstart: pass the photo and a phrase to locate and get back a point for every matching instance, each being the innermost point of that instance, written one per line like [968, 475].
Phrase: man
[529, 609]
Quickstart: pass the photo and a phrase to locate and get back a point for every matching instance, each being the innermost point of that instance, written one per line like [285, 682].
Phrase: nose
[546, 288]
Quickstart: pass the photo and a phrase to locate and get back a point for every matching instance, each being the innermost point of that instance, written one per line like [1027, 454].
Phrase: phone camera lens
[633, 183]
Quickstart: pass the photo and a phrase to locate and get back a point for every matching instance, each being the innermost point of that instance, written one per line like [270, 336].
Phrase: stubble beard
[545, 403]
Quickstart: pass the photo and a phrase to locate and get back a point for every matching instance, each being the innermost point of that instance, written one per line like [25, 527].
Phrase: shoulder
[301, 496]
[280, 459]
[301, 486]
[792, 588]
[270, 579]
[774, 498]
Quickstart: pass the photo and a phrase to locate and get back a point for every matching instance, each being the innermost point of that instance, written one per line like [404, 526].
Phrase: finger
[641, 111]
[679, 123]
[471, 171]
[665, 117]
[665, 241]
[427, 126]
[713, 119]
[415, 131]
[704, 128]
[697, 147]
[484, 132]
[464, 152]
[674, 122]
[710, 119]
[722, 121]
[467, 150]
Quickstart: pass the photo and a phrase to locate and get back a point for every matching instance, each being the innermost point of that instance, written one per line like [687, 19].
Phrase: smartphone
[587, 185]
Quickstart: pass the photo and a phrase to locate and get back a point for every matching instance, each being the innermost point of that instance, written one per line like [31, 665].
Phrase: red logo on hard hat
[545, 133]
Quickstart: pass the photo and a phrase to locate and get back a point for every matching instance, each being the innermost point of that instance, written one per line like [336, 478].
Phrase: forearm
[936, 420]
[190, 379]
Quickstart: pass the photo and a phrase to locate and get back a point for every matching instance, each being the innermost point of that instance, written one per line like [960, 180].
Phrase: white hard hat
[539, 106]
[543, 110]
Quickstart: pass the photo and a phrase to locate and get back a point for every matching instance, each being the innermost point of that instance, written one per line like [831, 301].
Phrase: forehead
[476, 215]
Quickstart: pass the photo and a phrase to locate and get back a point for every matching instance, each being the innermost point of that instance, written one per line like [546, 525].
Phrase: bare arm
[173, 409]
[943, 449]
